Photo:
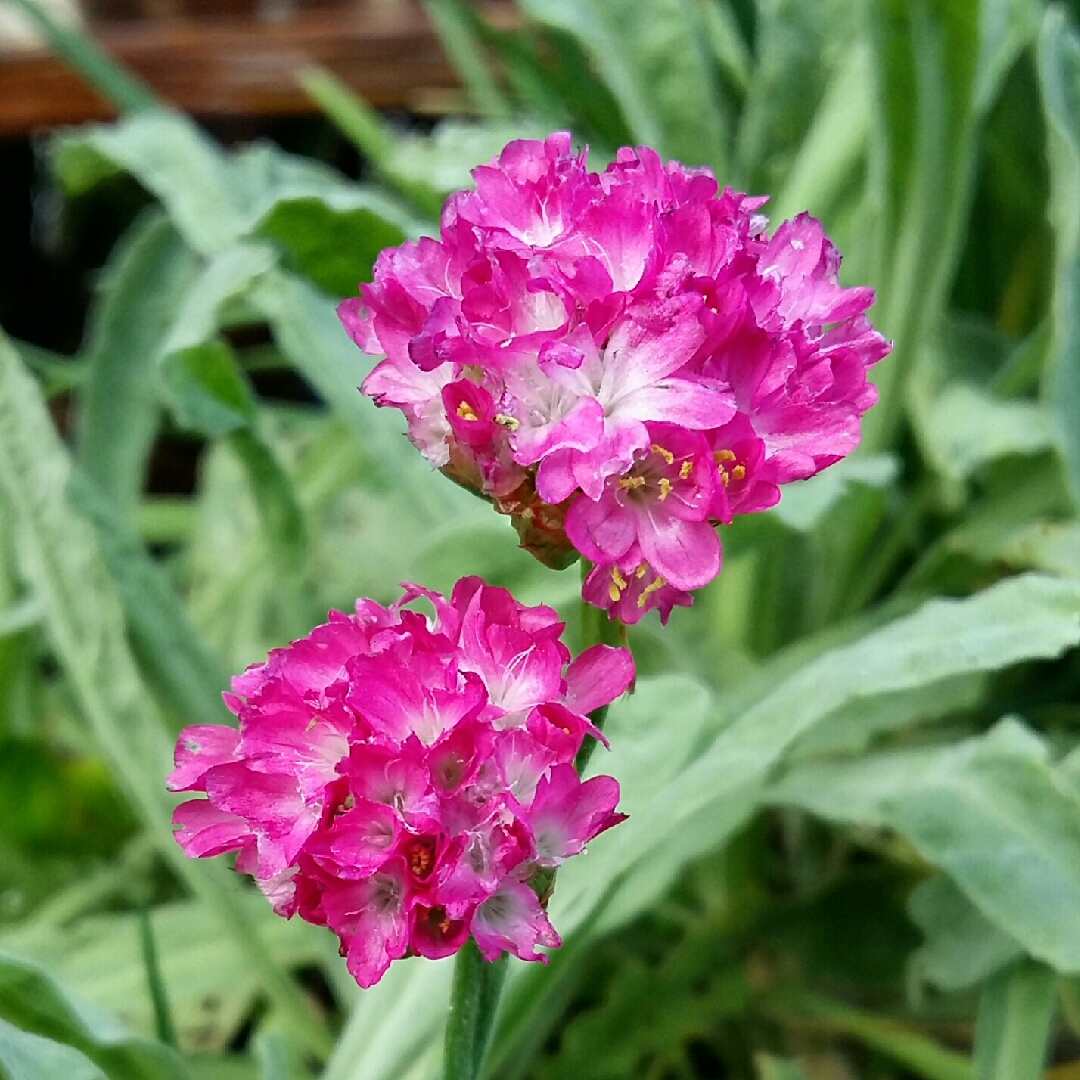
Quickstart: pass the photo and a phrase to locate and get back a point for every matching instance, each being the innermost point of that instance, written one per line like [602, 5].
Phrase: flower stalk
[474, 999]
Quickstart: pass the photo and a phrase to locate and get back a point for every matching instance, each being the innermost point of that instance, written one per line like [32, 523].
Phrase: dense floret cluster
[619, 360]
[408, 780]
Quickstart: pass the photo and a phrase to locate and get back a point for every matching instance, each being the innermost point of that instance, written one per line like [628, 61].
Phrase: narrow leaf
[33, 1002]
[1059, 81]
[1013, 1028]
[139, 297]
[59, 557]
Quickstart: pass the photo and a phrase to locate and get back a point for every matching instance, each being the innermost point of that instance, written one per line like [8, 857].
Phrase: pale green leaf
[1023, 618]
[30, 1057]
[1059, 80]
[962, 946]
[805, 504]
[991, 812]
[139, 297]
[654, 61]
[60, 559]
[33, 1002]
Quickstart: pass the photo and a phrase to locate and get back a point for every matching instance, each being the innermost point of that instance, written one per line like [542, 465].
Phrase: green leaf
[282, 518]
[898, 1041]
[212, 988]
[335, 248]
[990, 811]
[805, 504]
[33, 1002]
[113, 81]
[1013, 1029]
[20, 616]
[654, 60]
[60, 559]
[1023, 618]
[206, 390]
[962, 946]
[1059, 81]
[795, 59]
[30, 1057]
[774, 1068]
[225, 277]
[835, 143]
[456, 26]
[854, 727]
[214, 199]
[363, 126]
[139, 297]
[166, 642]
[395, 1024]
[308, 331]
[939, 64]
[962, 428]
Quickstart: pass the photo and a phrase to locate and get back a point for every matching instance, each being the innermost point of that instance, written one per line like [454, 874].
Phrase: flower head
[564, 317]
[407, 780]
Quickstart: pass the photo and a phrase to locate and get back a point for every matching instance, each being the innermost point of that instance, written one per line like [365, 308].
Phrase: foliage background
[852, 769]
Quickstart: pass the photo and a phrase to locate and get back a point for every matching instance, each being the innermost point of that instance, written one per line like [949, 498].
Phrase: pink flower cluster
[619, 360]
[408, 781]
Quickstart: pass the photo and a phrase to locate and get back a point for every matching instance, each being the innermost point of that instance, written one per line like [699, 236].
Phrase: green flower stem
[474, 998]
[597, 629]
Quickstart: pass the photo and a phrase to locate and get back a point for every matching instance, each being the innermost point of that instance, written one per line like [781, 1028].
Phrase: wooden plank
[385, 49]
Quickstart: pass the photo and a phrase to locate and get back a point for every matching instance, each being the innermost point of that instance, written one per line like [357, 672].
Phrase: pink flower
[407, 780]
[563, 316]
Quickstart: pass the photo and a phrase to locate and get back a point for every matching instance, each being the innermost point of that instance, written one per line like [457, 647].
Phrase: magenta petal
[685, 553]
[513, 921]
[203, 830]
[602, 531]
[597, 677]
[567, 813]
[199, 748]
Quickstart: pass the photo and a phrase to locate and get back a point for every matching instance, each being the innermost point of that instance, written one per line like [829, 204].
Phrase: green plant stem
[113, 81]
[474, 998]
[596, 629]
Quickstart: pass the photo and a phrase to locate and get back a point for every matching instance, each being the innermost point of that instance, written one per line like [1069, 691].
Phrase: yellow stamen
[632, 482]
[618, 584]
[665, 488]
[725, 476]
[507, 421]
[685, 469]
[641, 571]
[724, 455]
[667, 455]
[659, 583]
[465, 411]
[739, 472]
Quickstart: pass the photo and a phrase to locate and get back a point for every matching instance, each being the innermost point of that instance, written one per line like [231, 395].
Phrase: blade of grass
[113, 81]
[362, 126]
[456, 26]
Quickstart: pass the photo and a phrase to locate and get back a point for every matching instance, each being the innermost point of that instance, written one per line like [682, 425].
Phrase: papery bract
[407, 780]
[562, 316]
